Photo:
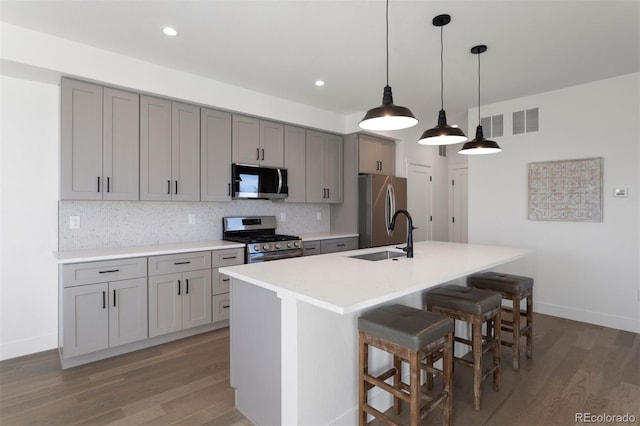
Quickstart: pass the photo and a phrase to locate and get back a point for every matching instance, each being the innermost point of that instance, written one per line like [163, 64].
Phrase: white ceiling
[282, 47]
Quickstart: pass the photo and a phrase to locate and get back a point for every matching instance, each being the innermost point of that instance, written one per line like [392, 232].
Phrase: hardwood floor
[576, 368]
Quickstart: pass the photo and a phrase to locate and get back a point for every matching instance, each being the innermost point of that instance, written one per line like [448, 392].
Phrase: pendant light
[388, 116]
[479, 145]
[442, 134]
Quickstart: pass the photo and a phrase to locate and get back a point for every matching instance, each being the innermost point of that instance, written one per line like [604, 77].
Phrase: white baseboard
[590, 317]
[28, 346]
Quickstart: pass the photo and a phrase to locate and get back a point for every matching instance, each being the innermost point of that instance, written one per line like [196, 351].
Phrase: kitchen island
[294, 324]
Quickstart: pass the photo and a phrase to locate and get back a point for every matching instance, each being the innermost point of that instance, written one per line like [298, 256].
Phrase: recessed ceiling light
[171, 32]
[319, 83]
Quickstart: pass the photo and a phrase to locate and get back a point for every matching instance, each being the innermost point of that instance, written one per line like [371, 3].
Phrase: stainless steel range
[258, 233]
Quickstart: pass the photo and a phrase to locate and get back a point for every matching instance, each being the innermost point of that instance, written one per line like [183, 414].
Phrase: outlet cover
[319, 216]
[283, 217]
[192, 219]
[74, 222]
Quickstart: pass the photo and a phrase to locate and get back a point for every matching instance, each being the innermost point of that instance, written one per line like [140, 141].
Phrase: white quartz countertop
[315, 236]
[140, 251]
[342, 284]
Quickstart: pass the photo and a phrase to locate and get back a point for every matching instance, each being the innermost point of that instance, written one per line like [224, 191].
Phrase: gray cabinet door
[196, 298]
[215, 155]
[295, 163]
[316, 189]
[246, 140]
[81, 141]
[333, 168]
[376, 156]
[165, 304]
[271, 144]
[85, 319]
[127, 311]
[185, 152]
[121, 145]
[155, 149]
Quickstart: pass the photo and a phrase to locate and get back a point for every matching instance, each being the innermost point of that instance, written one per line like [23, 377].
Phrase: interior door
[458, 230]
[419, 200]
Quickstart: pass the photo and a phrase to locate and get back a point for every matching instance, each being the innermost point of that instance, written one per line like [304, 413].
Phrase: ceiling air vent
[492, 127]
[526, 121]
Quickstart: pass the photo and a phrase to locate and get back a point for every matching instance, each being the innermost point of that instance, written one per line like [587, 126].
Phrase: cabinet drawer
[221, 307]
[171, 263]
[311, 247]
[228, 257]
[339, 244]
[107, 270]
[220, 283]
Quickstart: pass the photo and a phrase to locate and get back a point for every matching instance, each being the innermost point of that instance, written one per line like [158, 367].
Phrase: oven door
[274, 255]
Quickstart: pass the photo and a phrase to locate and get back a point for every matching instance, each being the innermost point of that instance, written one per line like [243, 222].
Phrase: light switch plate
[619, 192]
[283, 217]
[192, 219]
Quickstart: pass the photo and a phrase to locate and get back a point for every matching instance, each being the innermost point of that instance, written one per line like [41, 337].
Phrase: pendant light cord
[387, 25]
[441, 68]
[478, 89]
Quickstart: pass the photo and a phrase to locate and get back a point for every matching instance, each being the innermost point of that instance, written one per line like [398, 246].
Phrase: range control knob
[295, 243]
[289, 245]
[277, 245]
[265, 247]
[256, 247]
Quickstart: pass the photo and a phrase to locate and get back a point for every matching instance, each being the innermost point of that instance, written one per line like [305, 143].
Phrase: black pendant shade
[479, 145]
[388, 116]
[442, 134]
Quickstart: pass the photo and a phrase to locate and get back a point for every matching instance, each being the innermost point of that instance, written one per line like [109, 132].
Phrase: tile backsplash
[107, 224]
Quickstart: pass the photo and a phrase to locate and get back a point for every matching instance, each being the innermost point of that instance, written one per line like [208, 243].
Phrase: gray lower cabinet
[169, 150]
[330, 245]
[221, 300]
[99, 143]
[179, 292]
[102, 307]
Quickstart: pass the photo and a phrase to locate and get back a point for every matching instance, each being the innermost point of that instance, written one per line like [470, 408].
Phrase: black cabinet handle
[109, 271]
[187, 283]
[114, 298]
[228, 189]
[182, 263]
[340, 245]
[328, 193]
[104, 300]
[226, 279]
[176, 187]
[108, 183]
[178, 287]
[169, 187]
[226, 306]
[229, 257]
[310, 248]
[98, 183]
[257, 153]
[262, 154]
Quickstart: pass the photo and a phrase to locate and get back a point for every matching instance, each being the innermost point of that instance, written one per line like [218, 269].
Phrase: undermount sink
[379, 255]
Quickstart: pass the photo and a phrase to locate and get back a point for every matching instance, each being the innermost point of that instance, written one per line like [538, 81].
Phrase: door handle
[114, 298]
[176, 187]
[262, 154]
[178, 287]
[187, 283]
[169, 187]
[98, 183]
[104, 300]
[257, 153]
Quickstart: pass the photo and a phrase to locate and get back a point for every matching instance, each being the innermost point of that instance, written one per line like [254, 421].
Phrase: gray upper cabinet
[295, 163]
[99, 142]
[169, 150]
[376, 156]
[324, 168]
[258, 142]
[215, 155]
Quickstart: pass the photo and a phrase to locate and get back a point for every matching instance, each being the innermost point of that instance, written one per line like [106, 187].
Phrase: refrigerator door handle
[390, 207]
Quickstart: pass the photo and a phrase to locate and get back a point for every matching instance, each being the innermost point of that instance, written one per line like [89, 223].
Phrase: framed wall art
[569, 190]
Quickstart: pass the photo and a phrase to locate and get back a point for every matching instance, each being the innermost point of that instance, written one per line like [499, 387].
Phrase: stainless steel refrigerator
[379, 197]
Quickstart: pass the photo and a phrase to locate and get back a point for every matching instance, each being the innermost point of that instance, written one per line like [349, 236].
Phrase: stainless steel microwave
[256, 182]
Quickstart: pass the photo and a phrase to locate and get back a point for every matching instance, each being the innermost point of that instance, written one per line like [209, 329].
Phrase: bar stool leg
[530, 325]
[362, 385]
[414, 386]
[497, 320]
[476, 339]
[516, 332]
[397, 377]
[447, 379]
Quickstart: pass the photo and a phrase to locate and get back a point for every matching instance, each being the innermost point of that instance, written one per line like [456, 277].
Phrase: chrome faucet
[410, 228]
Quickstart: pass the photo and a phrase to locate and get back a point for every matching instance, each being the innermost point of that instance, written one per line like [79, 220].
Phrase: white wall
[29, 216]
[583, 271]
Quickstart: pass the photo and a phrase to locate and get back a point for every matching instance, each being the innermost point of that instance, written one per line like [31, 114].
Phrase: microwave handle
[279, 181]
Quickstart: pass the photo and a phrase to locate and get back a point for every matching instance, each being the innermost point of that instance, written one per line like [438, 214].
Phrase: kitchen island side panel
[255, 352]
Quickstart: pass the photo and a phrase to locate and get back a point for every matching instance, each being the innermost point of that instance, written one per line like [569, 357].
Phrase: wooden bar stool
[476, 307]
[513, 288]
[408, 334]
